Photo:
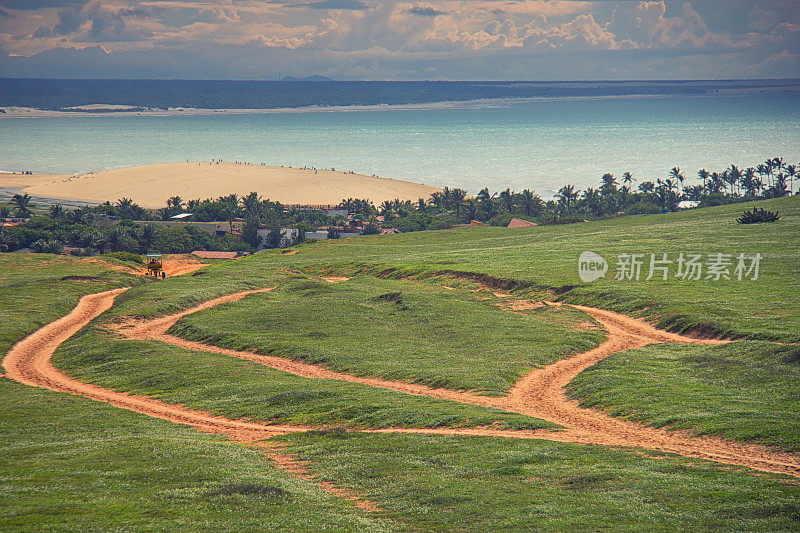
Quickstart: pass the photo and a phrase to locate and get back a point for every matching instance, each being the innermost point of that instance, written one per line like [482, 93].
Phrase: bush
[371, 229]
[757, 216]
[127, 256]
[47, 247]
[642, 208]
[501, 219]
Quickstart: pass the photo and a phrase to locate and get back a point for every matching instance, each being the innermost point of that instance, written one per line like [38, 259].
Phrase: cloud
[32, 5]
[425, 10]
[379, 39]
[352, 5]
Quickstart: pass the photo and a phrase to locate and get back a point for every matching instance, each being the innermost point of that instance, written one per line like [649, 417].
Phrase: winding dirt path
[28, 362]
[539, 394]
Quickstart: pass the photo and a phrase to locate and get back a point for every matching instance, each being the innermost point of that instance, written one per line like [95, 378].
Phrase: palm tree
[530, 203]
[609, 185]
[566, 195]
[593, 201]
[457, 198]
[735, 176]
[748, 181]
[778, 163]
[486, 202]
[731, 177]
[769, 167]
[703, 175]
[628, 179]
[780, 185]
[4, 212]
[23, 205]
[385, 208]
[646, 187]
[470, 209]
[791, 171]
[675, 173]
[422, 205]
[56, 211]
[507, 199]
[447, 198]
[146, 235]
[251, 204]
[175, 201]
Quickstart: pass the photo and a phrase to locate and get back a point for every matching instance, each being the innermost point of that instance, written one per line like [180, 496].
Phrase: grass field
[546, 256]
[71, 464]
[746, 390]
[484, 484]
[238, 389]
[36, 289]
[448, 338]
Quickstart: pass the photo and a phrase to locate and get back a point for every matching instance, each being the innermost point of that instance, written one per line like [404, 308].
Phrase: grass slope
[483, 484]
[745, 390]
[397, 330]
[71, 464]
[38, 288]
[235, 388]
[546, 256]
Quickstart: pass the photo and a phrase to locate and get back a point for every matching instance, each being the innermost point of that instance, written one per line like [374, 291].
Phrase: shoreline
[116, 110]
[151, 185]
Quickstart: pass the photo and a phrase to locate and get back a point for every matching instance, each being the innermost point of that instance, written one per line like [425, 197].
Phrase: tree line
[626, 195]
[613, 196]
[110, 227]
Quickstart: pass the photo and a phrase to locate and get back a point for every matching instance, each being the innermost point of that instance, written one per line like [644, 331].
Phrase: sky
[400, 40]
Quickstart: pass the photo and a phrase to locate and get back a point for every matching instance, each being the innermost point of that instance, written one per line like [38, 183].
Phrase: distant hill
[231, 94]
[307, 78]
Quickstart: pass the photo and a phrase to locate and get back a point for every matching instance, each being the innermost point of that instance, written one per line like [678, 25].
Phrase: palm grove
[614, 196]
[84, 230]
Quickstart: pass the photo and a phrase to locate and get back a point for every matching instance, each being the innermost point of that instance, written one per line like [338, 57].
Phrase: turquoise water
[539, 145]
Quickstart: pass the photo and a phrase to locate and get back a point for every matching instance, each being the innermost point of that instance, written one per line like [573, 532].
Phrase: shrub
[642, 208]
[371, 229]
[757, 216]
[47, 247]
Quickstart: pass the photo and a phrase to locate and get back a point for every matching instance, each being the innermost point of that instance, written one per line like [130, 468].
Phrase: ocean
[539, 145]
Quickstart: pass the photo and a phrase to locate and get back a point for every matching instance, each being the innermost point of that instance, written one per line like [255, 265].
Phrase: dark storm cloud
[30, 5]
[351, 5]
[426, 11]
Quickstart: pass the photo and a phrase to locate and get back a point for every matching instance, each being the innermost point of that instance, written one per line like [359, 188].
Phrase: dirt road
[539, 394]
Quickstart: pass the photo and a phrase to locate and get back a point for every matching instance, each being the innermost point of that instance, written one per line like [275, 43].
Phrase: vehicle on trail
[155, 267]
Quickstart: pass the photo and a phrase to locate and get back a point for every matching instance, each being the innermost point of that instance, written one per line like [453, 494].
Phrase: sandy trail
[28, 362]
[539, 394]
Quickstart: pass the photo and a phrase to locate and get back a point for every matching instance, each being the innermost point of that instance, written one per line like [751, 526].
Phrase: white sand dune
[151, 185]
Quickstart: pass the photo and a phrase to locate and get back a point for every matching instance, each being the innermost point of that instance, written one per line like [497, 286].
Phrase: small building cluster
[353, 225]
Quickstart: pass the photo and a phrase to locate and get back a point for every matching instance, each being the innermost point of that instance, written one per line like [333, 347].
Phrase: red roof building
[519, 223]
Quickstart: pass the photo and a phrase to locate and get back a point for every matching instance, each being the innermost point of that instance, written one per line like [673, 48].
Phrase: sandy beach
[151, 185]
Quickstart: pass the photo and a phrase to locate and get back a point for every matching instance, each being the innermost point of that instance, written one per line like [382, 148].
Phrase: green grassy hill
[546, 257]
[414, 311]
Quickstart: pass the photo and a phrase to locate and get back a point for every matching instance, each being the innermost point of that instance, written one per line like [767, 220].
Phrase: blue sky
[391, 40]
